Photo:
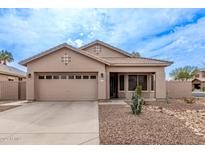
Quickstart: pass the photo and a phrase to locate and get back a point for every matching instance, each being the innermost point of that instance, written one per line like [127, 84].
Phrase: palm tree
[5, 56]
[184, 73]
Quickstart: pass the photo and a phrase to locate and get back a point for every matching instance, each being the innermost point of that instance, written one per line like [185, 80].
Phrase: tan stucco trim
[144, 64]
[64, 45]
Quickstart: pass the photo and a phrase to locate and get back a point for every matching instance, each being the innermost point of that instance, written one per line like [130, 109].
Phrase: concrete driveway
[51, 123]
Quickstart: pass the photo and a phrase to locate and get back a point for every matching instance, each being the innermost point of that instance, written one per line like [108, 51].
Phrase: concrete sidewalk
[51, 123]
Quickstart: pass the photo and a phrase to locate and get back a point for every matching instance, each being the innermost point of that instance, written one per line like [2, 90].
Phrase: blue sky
[171, 34]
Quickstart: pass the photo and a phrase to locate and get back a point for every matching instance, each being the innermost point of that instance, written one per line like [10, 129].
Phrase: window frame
[152, 82]
[91, 77]
[76, 77]
[69, 77]
[87, 77]
[61, 77]
[56, 76]
[39, 77]
[137, 78]
[46, 77]
[123, 82]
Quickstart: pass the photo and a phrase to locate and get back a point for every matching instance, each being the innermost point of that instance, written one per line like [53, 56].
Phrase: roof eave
[142, 65]
[26, 61]
[13, 74]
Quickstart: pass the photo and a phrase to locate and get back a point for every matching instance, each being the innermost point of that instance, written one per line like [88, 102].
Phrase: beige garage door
[66, 86]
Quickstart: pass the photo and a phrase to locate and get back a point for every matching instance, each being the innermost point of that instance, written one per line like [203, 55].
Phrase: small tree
[184, 73]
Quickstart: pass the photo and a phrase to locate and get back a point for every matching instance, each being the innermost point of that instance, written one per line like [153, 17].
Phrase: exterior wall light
[102, 75]
[29, 75]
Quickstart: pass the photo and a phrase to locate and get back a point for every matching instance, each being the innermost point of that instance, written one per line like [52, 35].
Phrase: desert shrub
[203, 89]
[190, 100]
[137, 101]
[138, 91]
[136, 105]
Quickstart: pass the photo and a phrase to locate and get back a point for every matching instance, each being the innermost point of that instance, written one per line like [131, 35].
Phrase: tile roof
[9, 70]
[200, 79]
[106, 45]
[137, 61]
[128, 61]
[63, 45]
[201, 69]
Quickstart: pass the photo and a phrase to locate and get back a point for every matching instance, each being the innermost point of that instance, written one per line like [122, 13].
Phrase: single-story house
[9, 73]
[95, 71]
[198, 83]
[199, 80]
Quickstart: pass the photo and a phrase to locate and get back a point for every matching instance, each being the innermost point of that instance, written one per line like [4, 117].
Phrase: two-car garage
[66, 86]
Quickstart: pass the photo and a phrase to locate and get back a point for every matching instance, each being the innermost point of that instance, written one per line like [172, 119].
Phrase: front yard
[159, 123]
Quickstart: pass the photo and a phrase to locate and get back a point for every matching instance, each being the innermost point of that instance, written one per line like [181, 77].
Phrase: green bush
[203, 89]
[138, 91]
[136, 105]
[137, 102]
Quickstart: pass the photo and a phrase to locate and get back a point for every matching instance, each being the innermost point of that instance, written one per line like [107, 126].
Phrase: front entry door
[113, 85]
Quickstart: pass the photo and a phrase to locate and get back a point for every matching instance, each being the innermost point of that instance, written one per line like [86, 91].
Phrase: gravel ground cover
[119, 126]
[179, 105]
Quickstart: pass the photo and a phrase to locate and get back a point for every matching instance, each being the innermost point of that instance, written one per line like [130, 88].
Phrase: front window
[132, 82]
[142, 81]
[122, 85]
[152, 82]
[135, 80]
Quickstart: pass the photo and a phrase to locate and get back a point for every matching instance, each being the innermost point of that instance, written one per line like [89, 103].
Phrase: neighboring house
[9, 73]
[199, 81]
[94, 71]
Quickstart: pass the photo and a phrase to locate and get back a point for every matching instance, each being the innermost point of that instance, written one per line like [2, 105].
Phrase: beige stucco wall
[179, 89]
[52, 63]
[22, 90]
[12, 90]
[8, 90]
[81, 63]
[201, 74]
[160, 83]
[105, 52]
[6, 77]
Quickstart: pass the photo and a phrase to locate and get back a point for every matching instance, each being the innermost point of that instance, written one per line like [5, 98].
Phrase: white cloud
[75, 43]
[132, 29]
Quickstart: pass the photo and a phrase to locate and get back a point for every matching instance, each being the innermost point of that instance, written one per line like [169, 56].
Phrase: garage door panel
[66, 89]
